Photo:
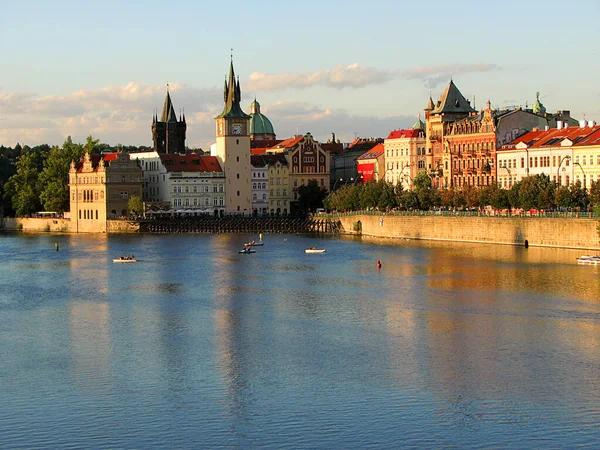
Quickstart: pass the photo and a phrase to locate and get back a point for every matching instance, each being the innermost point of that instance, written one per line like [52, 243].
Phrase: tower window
[237, 141]
[238, 193]
[238, 160]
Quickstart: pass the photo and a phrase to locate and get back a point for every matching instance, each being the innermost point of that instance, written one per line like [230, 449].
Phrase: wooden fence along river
[239, 225]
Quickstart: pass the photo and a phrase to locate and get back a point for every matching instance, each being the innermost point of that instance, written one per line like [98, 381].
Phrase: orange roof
[289, 143]
[374, 153]
[190, 163]
[258, 151]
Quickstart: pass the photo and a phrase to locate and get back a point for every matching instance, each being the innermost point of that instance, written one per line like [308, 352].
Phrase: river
[196, 346]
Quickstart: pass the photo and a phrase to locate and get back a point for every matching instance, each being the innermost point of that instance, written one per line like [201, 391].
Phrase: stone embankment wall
[543, 232]
[37, 224]
[122, 226]
[55, 225]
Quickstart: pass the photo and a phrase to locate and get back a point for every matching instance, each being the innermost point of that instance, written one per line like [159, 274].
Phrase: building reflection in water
[482, 321]
[91, 346]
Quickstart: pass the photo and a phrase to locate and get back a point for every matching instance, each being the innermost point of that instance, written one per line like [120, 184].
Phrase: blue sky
[352, 68]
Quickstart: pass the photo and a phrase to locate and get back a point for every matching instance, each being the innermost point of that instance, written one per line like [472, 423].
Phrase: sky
[101, 68]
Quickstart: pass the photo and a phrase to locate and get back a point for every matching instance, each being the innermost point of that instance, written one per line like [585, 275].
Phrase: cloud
[432, 76]
[291, 118]
[355, 76]
[113, 114]
[358, 76]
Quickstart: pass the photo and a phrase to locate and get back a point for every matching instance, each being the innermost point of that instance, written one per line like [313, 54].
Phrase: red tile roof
[411, 133]
[191, 163]
[554, 136]
[258, 151]
[288, 143]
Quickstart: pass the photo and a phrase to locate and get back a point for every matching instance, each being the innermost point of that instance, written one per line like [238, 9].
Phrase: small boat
[247, 250]
[315, 250]
[589, 259]
[253, 244]
[125, 259]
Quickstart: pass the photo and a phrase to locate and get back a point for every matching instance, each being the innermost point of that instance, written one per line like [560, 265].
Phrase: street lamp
[582, 171]
[336, 182]
[568, 158]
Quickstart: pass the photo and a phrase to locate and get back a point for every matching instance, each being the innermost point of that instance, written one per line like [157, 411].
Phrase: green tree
[135, 205]
[54, 178]
[422, 187]
[311, 196]
[22, 191]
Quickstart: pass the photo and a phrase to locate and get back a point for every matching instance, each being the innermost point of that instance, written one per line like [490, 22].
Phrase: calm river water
[196, 346]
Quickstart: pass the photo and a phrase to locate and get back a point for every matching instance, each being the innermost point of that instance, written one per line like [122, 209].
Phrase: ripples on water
[195, 346]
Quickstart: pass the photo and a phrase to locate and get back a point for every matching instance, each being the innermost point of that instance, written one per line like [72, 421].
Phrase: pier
[206, 224]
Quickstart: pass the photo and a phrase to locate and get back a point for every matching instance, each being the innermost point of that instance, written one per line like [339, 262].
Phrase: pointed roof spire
[232, 96]
[452, 101]
[168, 113]
[430, 105]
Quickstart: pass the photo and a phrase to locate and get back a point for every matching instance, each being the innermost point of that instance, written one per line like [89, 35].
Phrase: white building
[189, 184]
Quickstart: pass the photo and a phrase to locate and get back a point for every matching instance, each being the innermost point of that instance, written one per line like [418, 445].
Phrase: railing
[466, 213]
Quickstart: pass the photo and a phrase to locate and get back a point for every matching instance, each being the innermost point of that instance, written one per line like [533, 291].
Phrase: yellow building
[100, 188]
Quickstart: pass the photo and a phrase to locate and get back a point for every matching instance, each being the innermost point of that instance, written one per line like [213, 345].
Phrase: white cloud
[356, 75]
[113, 114]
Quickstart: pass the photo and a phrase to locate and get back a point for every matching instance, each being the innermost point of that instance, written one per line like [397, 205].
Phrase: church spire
[168, 113]
[232, 96]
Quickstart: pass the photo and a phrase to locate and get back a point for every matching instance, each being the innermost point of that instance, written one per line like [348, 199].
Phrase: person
[379, 264]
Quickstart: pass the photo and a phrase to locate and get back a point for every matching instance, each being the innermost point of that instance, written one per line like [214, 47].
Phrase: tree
[311, 196]
[22, 190]
[424, 191]
[54, 178]
[135, 205]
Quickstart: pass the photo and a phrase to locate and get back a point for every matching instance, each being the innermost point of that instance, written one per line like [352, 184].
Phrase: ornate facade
[450, 107]
[100, 188]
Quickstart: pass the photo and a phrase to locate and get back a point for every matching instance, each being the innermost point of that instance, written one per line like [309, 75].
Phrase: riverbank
[525, 231]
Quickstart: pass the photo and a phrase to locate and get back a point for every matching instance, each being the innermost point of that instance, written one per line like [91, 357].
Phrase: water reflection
[197, 344]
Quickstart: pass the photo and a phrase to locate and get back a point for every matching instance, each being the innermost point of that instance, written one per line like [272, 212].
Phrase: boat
[254, 244]
[315, 250]
[589, 259]
[247, 250]
[125, 259]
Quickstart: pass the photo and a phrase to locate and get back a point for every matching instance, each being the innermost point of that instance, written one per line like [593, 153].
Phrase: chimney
[559, 124]
[582, 123]
[546, 128]
[565, 124]
[591, 124]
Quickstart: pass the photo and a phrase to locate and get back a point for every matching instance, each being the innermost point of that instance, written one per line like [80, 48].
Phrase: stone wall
[37, 224]
[543, 232]
[122, 226]
[55, 225]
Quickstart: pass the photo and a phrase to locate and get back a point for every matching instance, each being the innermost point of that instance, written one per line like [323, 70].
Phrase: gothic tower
[233, 148]
[168, 133]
